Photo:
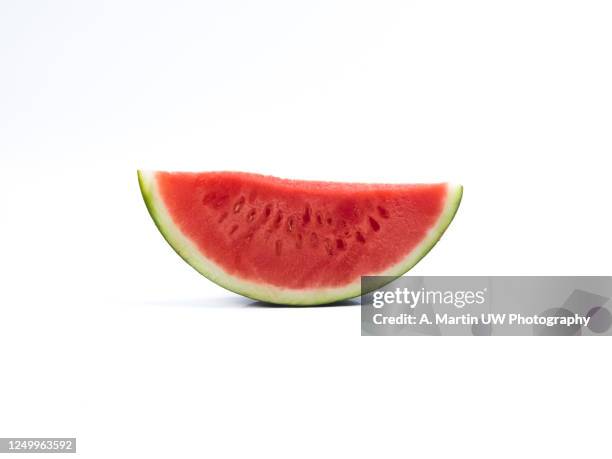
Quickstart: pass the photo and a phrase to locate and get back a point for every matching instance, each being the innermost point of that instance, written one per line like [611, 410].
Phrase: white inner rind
[271, 293]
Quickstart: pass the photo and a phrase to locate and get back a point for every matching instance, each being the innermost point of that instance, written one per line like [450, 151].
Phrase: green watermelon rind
[188, 251]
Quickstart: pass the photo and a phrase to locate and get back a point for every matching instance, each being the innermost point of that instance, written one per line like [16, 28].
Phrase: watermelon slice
[295, 242]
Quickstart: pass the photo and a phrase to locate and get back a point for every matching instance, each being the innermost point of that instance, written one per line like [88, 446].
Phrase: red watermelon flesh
[290, 238]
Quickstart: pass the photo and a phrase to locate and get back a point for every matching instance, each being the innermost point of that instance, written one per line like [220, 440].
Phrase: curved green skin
[187, 250]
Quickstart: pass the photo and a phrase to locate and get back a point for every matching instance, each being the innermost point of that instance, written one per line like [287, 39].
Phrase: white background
[106, 335]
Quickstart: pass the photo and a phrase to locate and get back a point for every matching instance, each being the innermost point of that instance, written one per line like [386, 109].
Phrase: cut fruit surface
[296, 242]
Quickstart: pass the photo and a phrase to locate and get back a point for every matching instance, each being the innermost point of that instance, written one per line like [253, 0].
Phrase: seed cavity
[374, 224]
[222, 217]
[314, 239]
[278, 219]
[298, 242]
[328, 246]
[221, 200]
[344, 228]
[209, 198]
[267, 211]
[251, 215]
[238, 205]
[319, 218]
[212, 199]
[384, 213]
[360, 237]
[290, 224]
[329, 221]
[233, 230]
[306, 216]
[278, 247]
[340, 244]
